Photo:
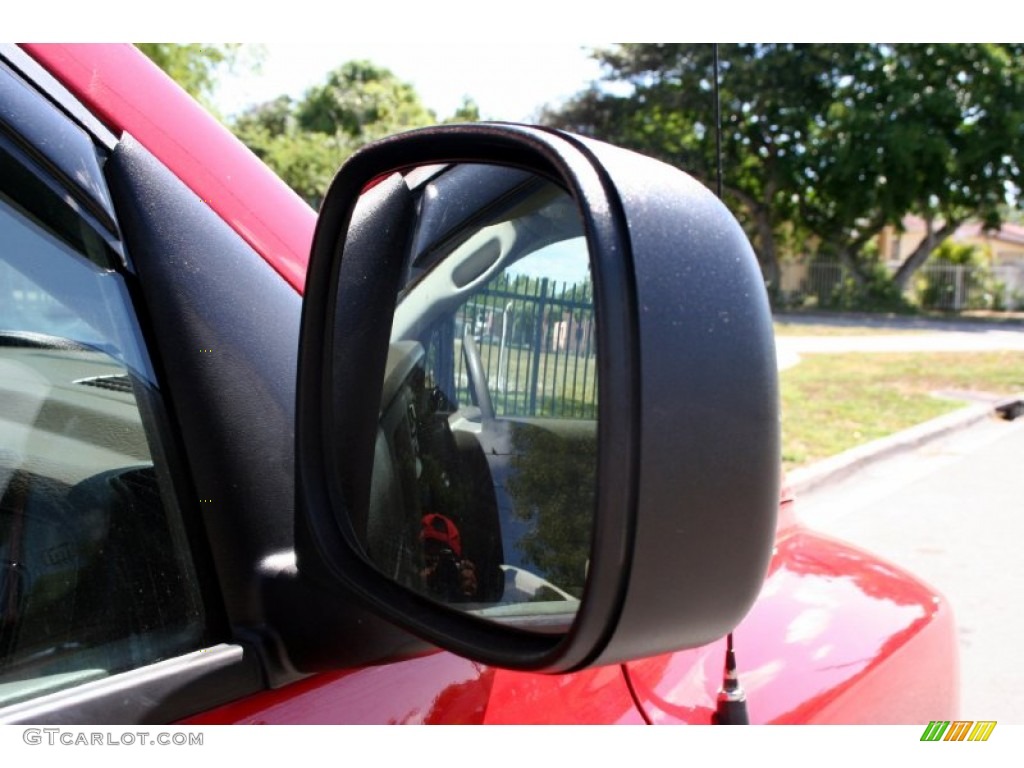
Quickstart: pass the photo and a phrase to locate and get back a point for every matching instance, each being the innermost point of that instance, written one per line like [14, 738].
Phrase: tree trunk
[766, 253]
[760, 214]
[852, 266]
[848, 253]
[920, 255]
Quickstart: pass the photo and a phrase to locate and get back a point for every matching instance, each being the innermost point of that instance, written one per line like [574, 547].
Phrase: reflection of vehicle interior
[501, 480]
[82, 526]
[428, 464]
[424, 468]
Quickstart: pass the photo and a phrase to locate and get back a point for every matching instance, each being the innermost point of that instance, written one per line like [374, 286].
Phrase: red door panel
[439, 688]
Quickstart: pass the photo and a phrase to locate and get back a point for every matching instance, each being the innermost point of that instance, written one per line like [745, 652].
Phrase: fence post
[958, 288]
[538, 340]
[503, 352]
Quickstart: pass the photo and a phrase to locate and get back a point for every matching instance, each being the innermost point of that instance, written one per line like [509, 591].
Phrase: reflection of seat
[391, 528]
[481, 529]
[140, 577]
[420, 467]
[87, 566]
[44, 547]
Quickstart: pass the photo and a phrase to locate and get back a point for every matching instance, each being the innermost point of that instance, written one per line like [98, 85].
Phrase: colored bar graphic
[982, 730]
[958, 730]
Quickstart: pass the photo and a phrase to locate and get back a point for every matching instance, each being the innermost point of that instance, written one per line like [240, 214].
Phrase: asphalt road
[952, 512]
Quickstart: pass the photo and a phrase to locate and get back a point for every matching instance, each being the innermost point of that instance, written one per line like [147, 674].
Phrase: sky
[508, 81]
[510, 56]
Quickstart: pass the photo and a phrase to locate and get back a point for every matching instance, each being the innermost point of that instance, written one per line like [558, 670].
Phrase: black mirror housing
[688, 452]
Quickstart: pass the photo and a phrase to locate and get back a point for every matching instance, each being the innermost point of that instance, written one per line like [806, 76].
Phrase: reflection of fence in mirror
[492, 444]
[537, 340]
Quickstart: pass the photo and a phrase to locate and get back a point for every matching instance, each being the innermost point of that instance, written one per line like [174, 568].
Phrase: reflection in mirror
[483, 486]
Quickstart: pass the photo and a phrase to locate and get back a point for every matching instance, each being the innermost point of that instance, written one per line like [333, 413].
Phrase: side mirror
[537, 399]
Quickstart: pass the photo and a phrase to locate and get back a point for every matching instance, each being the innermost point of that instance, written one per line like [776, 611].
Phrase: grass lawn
[566, 381]
[831, 403]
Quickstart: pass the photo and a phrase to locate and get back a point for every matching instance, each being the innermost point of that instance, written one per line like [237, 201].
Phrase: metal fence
[947, 287]
[537, 343]
[954, 287]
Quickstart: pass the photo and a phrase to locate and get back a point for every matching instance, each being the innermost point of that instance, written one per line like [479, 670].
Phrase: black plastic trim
[226, 329]
[55, 142]
[54, 90]
[710, 457]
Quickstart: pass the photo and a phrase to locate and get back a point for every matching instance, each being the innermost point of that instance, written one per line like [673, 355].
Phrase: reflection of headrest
[440, 528]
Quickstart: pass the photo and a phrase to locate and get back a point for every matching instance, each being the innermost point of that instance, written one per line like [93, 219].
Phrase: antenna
[718, 123]
[732, 699]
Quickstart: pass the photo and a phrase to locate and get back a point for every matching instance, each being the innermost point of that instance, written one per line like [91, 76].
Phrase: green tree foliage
[305, 160]
[468, 112]
[958, 277]
[934, 130]
[362, 102]
[662, 104]
[305, 141]
[553, 487]
[825, 144]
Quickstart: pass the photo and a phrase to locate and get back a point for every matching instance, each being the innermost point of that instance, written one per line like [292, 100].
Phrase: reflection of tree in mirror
[552, 484]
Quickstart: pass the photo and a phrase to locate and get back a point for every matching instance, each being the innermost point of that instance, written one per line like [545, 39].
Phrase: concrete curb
[848, 462]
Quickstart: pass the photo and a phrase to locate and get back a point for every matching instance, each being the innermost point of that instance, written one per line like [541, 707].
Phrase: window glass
[95, 574]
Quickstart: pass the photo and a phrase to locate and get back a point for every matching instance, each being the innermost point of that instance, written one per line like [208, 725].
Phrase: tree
[468, 112]
[363, 102]
[832, 142]
[934, 130]
[305, 160]
[771, 97]
[305, 141]
[553, 489]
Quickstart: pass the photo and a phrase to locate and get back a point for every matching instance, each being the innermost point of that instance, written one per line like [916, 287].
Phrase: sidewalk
[941, 500]
[974, 321]
[953, 337]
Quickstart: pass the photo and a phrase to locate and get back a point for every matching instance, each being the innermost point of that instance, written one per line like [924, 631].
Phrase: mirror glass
[483, 486]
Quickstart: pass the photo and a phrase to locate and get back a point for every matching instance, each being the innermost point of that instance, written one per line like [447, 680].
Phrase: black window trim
[66, 150]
